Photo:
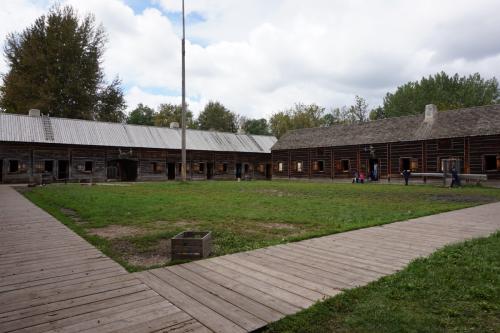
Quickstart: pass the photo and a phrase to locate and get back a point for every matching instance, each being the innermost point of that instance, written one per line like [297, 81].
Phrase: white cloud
[260, 56]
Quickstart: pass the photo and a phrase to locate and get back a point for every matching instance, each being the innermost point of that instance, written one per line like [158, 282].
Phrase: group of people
[359, 177]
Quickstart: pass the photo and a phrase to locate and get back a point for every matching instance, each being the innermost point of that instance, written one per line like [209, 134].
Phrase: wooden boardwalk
[52, 280]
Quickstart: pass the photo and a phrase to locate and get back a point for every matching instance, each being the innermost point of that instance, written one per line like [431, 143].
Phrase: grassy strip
[242, 216]
[455, 289]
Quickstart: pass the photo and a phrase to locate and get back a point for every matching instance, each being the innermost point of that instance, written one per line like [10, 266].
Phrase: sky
[258, 57]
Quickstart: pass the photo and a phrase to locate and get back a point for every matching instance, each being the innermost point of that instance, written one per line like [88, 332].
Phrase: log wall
[42, 163]
[424, 156]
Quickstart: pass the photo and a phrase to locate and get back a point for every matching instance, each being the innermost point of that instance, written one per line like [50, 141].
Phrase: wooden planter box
[192, 245]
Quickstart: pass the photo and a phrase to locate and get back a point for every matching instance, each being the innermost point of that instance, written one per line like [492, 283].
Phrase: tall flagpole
[183, 168]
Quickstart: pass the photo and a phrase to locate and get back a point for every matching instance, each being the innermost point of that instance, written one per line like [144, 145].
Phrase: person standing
[455, 178]
[406, 175]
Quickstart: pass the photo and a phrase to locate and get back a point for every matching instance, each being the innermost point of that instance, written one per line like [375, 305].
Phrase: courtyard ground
[132, 223]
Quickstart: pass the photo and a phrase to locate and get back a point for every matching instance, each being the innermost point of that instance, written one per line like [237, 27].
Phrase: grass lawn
[133, 222]
[457, 289]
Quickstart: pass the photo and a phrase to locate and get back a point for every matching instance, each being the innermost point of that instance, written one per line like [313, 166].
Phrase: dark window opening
[48, 166]
[404, 164]
[224, 167]
[13, 166]
[491, 163]
[319, 166]
[88, 165]
[156, 167]
[407, 163]
[202, 167]
[345, 165]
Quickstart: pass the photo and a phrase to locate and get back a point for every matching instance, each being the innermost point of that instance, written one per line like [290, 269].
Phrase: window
[48, 166]
[280, 166]
[345, 165]
[13, 166]
[261, 168]
[156, 167]
[298, 166]
[198, 167]
[447, 164]
[491, 162]
[408, 163]
[88, 166]
[319, 166]
[223, 168]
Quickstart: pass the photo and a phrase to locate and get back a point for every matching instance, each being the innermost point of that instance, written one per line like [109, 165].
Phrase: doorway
[374, 169]
[170, 171]
[123, 169]
[210, 170]
[238, 170]
[269, 169]
[62, 169]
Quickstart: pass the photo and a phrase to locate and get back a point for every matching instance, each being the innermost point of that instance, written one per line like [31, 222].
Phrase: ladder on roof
[47, 128]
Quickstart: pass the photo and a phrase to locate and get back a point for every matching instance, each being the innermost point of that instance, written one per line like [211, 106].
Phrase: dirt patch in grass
[72, 215]
[275, 192]
[285, 226]
[174, 224]
[117, 231]
[158, 254]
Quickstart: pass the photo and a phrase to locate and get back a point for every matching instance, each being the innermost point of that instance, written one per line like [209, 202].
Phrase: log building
[428, 143]
[38, 148]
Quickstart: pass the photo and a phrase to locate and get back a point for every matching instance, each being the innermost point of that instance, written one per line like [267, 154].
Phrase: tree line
[55, 65]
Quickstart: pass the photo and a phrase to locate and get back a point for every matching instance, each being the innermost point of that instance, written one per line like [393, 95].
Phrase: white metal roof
[22, 128]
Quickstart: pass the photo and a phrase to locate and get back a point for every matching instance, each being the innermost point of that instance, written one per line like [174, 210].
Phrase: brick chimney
[431, 113]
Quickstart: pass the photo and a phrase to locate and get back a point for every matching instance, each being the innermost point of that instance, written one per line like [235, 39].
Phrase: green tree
[216, 116]
[280, 123]
[169, 113]
[447, 92]
[256, 126]
[296, 117]
[55, 66]
[141, 115]
[111, 104]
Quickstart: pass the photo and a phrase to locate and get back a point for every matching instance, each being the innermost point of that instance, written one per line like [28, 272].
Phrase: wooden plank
[247, 291]
[72, 315]
[277, 292]
[231, 312]
[203, 314]
[261, 311]
[283, 284]
[303, 271]
[45, 308]
[245, 260]
[123, 319]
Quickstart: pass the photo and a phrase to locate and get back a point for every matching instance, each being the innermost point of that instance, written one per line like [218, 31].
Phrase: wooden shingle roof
[475, 121]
